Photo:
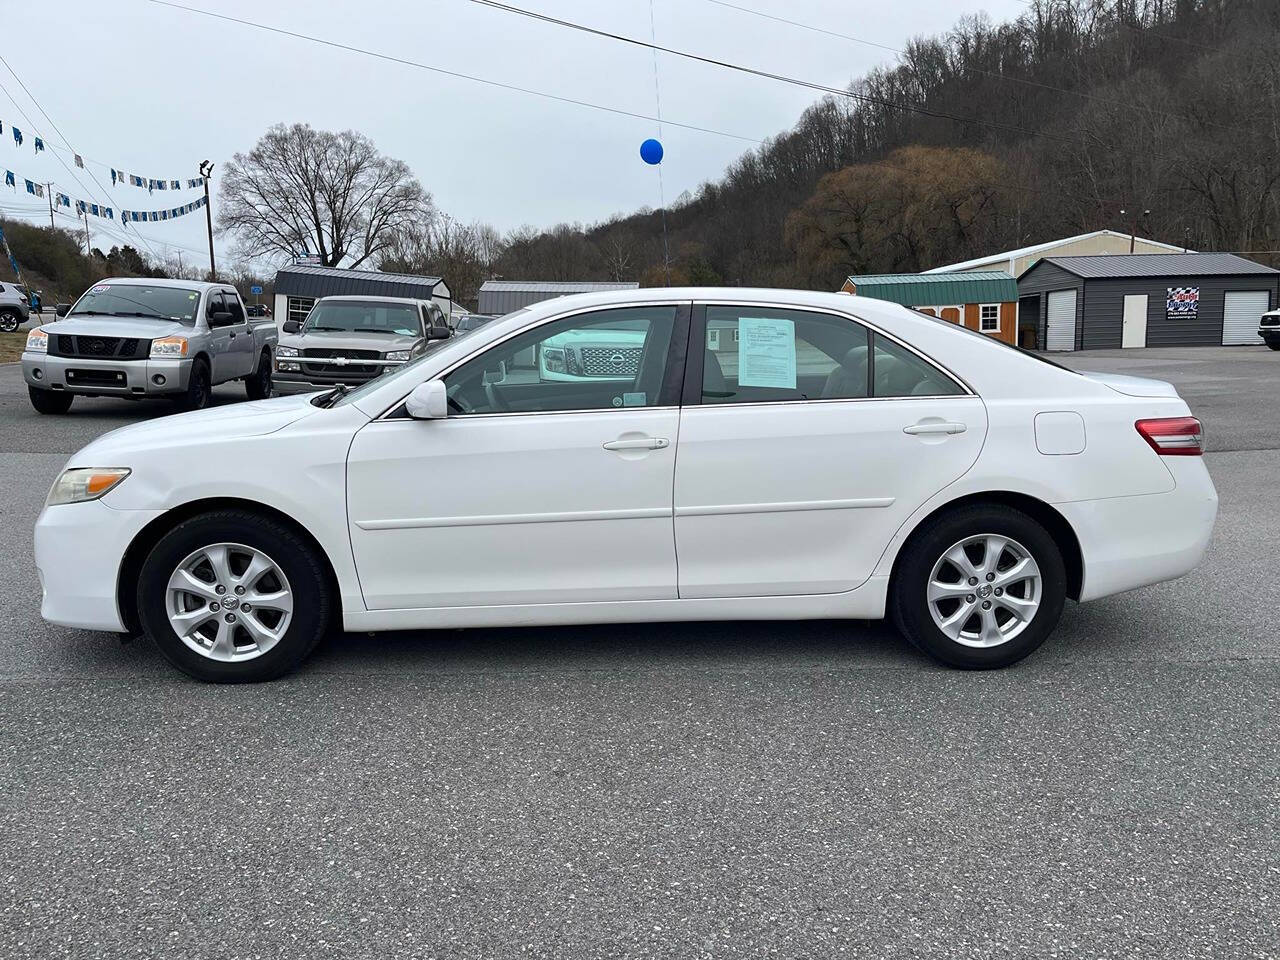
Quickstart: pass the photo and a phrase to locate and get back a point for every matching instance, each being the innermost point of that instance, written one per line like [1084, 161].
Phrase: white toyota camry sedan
[652, 455]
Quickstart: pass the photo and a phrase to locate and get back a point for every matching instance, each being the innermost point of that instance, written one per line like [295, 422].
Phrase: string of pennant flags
[150, 184]
[83, 207]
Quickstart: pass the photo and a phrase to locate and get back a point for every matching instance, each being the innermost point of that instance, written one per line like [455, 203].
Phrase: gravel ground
[692, 790]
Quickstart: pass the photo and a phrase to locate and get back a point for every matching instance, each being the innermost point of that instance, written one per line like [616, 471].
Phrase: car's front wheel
[980, 587]
[49, 401]
[234, 597]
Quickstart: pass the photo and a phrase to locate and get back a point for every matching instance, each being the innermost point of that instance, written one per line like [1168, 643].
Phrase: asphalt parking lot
[725, 789]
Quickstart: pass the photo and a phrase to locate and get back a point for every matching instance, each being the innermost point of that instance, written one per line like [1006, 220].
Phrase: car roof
[356, 298]
[165, 282]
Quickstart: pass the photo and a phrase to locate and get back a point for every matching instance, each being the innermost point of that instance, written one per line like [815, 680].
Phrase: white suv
[14, 308]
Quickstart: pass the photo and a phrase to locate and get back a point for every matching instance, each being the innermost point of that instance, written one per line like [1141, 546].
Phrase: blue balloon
[651, 151]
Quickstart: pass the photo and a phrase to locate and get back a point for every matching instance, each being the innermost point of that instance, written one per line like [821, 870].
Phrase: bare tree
[332, 194]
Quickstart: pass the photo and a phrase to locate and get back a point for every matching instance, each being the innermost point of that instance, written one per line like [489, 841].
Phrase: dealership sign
[1182, 302]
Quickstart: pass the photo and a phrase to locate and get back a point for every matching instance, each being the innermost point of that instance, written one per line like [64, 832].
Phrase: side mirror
[291, 326]
[62, 309]
[220, 318]
[438, 332]
[428, 401]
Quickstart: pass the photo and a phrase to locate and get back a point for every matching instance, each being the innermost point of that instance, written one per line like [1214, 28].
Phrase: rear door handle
[642, 443]
[925, 429]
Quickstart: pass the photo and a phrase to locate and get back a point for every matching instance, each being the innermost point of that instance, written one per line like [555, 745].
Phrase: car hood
[381, 342]
[1133, 386]
[96, 326]
[218, 423]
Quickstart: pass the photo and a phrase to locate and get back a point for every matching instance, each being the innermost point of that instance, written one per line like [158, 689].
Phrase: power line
[767, 75]
[986, 73]
[582, 103]
[448, 73]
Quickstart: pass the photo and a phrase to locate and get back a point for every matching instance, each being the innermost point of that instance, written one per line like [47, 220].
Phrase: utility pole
[48, 189]
[1133, 230]
[179, 264]
[86, 234]
[206, 171]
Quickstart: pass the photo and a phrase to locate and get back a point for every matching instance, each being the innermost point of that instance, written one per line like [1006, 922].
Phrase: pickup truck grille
[611, 361]
[99, 348]
[1271, 321]
[340, 373]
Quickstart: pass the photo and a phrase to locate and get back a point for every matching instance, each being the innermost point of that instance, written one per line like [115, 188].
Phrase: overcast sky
[155, 90]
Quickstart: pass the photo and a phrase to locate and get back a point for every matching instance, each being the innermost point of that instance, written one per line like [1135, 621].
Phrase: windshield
[347, 316]
[136, 300]
[407, 370]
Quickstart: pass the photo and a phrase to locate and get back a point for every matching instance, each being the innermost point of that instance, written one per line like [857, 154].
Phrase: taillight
[1173, 436]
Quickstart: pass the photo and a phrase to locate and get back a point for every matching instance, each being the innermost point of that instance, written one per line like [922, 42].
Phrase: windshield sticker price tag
[102, 288]
[767, 352]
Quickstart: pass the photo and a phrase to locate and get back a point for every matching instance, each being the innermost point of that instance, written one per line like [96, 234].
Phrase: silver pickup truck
[137, 338]
[348, 340]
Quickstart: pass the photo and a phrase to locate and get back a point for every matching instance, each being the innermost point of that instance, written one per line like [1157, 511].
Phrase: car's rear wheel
[234, 597]
[49, 401]
[10, 320]
[257, 386]
[980, 587]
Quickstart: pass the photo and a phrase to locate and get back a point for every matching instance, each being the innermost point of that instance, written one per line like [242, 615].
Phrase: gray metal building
[502, 296]
[1145, 300]
[299, 286]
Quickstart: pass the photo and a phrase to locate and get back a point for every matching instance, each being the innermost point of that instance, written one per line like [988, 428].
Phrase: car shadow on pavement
[715, 645]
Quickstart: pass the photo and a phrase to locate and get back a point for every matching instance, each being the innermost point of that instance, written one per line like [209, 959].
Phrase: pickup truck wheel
[234, 597]
[9, 321]
[1274, 344]
[257, 386]
[197, 394]
[49, 401]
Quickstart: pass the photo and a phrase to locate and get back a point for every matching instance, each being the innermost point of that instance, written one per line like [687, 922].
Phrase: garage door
[1061, 318]
[1241, 311]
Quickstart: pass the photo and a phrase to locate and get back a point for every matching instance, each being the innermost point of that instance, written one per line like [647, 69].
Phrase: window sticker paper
[767, 353]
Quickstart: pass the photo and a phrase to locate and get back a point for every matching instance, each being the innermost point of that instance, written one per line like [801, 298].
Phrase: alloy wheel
[229, 602]
[984, 590]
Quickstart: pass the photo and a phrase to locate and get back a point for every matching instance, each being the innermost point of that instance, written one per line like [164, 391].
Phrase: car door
[241, 346]
[223, 363]
[532, 490]
[806, 439]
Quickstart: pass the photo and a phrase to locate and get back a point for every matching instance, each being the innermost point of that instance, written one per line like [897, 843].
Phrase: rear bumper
[107, 378]
[1130, 542]
[78, 585]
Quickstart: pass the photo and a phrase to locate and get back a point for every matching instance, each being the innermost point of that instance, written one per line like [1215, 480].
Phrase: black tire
[909, 604]
[302, 566]
[1274, 344]
[49, 401]
[257, 386]
[10, 320]
[196, 396]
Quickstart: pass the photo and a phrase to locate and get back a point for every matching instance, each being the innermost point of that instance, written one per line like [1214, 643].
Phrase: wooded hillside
[991, 137]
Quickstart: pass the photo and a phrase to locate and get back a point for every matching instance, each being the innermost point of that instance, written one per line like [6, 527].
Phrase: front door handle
[233, 334]
[926, 429]
[640, 443]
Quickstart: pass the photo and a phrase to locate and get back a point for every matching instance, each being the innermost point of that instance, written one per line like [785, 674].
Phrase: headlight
[167, 348]
[286, 351]
[398, 355]
[553, 360]
[37, 342]
[79, 484]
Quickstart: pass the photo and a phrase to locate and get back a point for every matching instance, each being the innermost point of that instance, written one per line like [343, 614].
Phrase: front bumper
[107, 378]
[78, 549]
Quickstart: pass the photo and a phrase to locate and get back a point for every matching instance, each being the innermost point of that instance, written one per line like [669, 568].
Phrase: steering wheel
[495, 399]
